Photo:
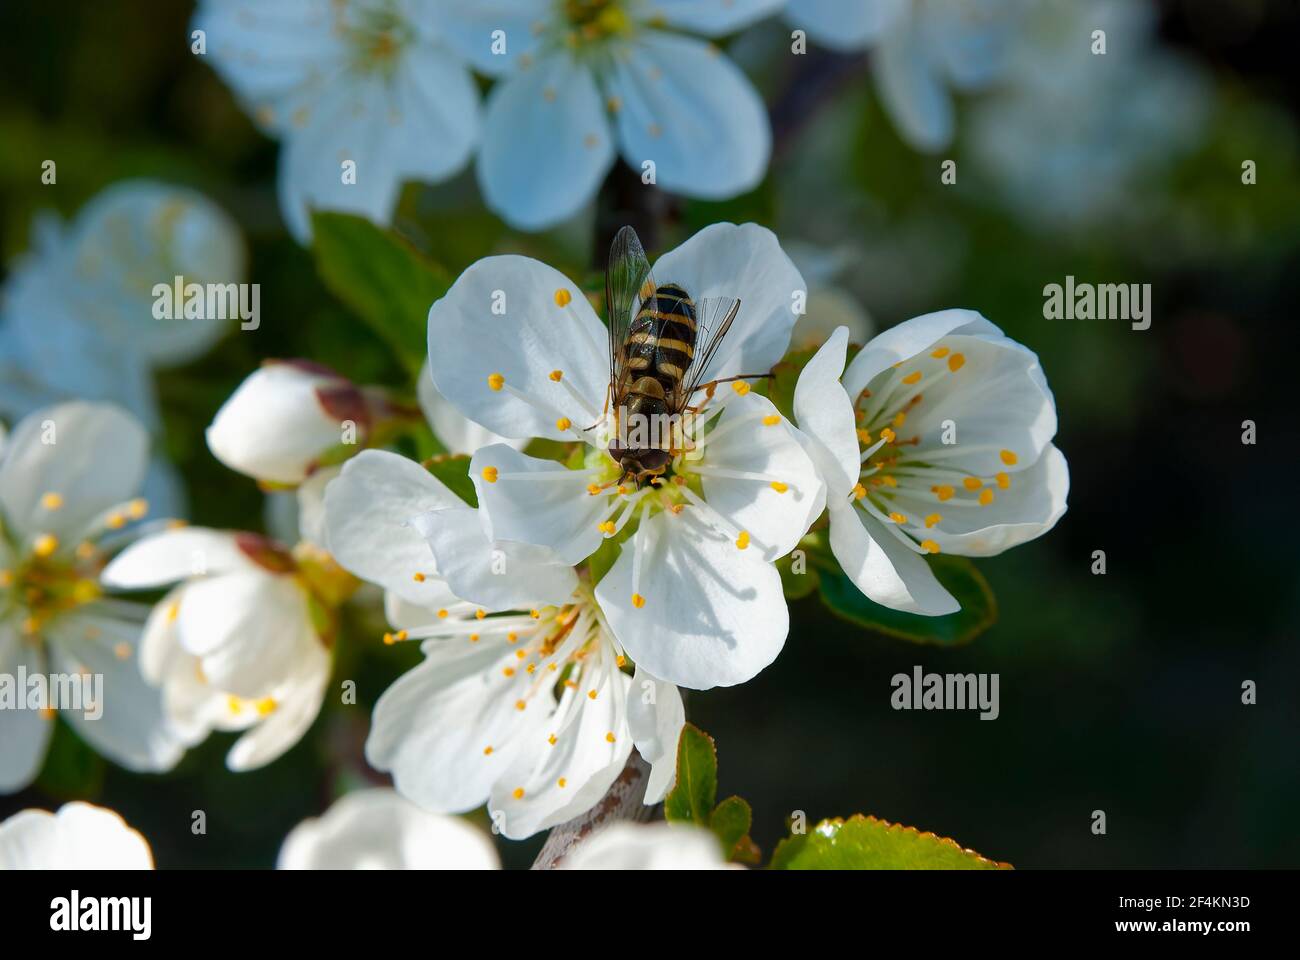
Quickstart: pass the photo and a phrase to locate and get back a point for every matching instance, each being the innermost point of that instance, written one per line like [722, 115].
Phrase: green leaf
[692, 798]
[454, 472]
[731, 820]
[978, 612]
[383, 278]
[865, 843]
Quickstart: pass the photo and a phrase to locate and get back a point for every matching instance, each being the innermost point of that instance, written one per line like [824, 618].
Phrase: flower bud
[288, 418]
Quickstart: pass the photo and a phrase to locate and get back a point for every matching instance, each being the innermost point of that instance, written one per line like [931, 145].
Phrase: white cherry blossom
[936, 438]
[368, 82]
[68, 479]
[241, 642]
[583, 81]
[530, 712]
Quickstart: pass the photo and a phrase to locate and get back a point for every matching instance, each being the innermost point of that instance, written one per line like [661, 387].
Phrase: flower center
[43, 585]
[906, 487]
[591, 21]
[376, 37]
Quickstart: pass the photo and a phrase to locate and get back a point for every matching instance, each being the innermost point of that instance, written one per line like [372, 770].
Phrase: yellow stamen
[418, 577]
[490, 474]
[986, 496]
[564, 423]
[1004, 480]
[1009, 458]
[771, 420]
[859, 491]
[929, 546]
[943, 492]
[591, 694]
[912, 378]
[956, 362]
[932, 519]
[45, 545]
[972, 483]
[557, 375]
[487, 751]
[496, 381]
[609, 737]
[940, 353]
[742, 541]
[607, 527]
[561, 783]
[562, 297]
[638, 601]
[519, 704]
[898, 517]
[780, 487]
[740, 386]
[519, 793]
[51, 501]
[888, 435]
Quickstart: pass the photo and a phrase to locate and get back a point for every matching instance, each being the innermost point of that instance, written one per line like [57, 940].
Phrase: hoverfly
[660, 346]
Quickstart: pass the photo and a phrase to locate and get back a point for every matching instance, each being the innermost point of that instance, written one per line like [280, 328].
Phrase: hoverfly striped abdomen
[661, 341]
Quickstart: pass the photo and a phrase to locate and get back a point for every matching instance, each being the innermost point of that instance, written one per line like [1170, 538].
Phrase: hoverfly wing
[627, 280]
[713, 318]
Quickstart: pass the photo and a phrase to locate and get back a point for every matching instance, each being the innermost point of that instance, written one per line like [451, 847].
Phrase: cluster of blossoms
[559, 616]
[383, 88]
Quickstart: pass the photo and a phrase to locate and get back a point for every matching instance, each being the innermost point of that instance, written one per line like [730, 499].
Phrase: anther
[956, 362]
[638, 601]
[562, 299]
[490, 474]
[1009, 458]
[929, 546]
[496, 381]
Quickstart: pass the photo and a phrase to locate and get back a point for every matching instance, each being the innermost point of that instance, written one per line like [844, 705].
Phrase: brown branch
[623, 801]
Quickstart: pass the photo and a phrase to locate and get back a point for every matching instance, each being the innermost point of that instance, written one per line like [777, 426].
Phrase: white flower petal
[453, 429]
[693, 113]
[377, 829]
[844, 26]
[469, 29]
[655, 717]
[775, 521]
[552, 783]
[912, 87]
[999, 400]
[884, 569]
[247, 627]
[491, 579]
[652, 846]
[542, 323]
[825, 414]
[132, 730]
[744, 262]
[713, 18]
[134, 235]
[93, 456]
[433, 727]
[24, 734]
[276, 427]
[906, 340]
[546, 143]
[368, 512]
[174, 555]
[714, 616]
[79, 837]
[296, 706]
[540, 502]
[1028, 509]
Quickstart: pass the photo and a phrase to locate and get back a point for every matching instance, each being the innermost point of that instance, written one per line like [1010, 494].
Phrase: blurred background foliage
[1119, 692]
